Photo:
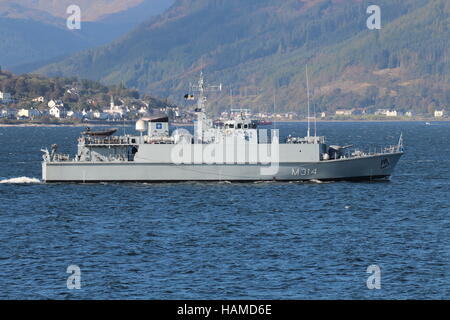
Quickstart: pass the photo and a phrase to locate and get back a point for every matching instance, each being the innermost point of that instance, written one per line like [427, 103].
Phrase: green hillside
[83, 94]
[259, 49]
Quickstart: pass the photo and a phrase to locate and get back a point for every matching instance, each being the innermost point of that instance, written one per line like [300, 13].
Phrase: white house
[143, 110]
[87, 114]
[22, 113]
[387, 113]
[73, 91]
[74, 115]
[381, 112]
[8, 113]
[58, 112]
[409, 114]
[392, 113]
[28, 113]
[344, 112]
[39, 99]
[55, 103]
[115, 112]
[439, 113]
[100, 115]
[5, 97]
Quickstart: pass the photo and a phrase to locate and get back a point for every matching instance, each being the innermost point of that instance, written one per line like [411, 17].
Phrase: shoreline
[374, 120]
[5, 125]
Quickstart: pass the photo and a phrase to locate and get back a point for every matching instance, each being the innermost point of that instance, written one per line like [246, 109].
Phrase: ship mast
[202, 120]
[201, 96]
[307, 92]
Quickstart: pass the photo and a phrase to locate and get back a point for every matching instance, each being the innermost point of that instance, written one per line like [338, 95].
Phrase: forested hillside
[75, 93]
[259, 49]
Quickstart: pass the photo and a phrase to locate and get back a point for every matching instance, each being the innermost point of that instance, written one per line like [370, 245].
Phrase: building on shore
[8, 114]
[55, 103]
[115, 112]
[74, 115]
[28, 114]
[99, 115]
[58, 112]
[5, 98]
[143, 111]
[87, 114]
[440, 113]
[387, 113]
[345, 112]
[39, 99]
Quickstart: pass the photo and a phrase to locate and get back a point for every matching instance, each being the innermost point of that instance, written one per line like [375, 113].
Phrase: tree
[431, 108]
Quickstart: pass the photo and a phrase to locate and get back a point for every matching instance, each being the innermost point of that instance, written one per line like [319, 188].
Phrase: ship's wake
[20, 180]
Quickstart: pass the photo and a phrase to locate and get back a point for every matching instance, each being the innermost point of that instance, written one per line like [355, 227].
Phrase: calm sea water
[229, 241]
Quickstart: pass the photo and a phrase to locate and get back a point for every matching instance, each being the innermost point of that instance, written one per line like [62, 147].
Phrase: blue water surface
[229, 240]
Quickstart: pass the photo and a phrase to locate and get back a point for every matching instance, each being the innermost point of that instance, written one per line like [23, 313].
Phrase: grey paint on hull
[371, 167]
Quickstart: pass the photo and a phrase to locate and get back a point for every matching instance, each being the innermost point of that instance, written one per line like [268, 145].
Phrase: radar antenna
[202, 88]
[202, 121]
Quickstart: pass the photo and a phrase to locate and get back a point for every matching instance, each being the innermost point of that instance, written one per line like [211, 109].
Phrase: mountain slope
[34, 33]
[259, 48]
[25, 41]
[91, 10]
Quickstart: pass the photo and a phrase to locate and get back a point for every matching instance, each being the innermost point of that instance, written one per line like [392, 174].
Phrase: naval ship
[235, 150]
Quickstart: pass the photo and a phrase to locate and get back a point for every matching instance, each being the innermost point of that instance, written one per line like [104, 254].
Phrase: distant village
[57, 110]
[384, 113]
[344, 114]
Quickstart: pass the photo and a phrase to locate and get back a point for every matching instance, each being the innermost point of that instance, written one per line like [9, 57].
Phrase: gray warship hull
[371, 167]
[235, 151]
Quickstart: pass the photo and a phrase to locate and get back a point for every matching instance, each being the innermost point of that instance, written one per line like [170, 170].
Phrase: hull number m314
[304, 172]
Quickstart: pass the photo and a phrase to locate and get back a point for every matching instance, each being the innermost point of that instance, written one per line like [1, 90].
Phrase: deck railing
[113, 140]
